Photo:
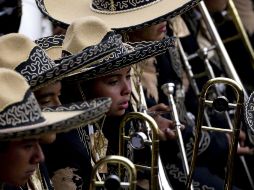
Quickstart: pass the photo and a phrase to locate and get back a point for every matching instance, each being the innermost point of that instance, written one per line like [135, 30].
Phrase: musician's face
[49, 96]
[19, 160]
[152, 33]
[117, 86]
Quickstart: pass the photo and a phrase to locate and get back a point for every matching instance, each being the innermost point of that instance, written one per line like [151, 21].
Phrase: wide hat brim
[53, 45]
[66, 65]
[60, 119]
[64, 12]
[140, 52]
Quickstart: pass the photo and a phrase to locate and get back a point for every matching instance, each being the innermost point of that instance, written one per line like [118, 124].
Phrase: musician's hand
[166, 128]
[159, 108]
[242, 148]
[245, 150]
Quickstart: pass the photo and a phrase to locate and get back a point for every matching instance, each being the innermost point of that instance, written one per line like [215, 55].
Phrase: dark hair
[70, 93]
[76, 91]
[3, 145]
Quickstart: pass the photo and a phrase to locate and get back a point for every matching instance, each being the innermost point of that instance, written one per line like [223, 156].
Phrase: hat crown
[84, 32]
[18, 105]
[17, 43]
[20, 53]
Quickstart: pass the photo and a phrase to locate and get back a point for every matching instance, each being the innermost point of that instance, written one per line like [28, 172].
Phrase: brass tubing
[154, 143]
[121, 161]
[234, 131]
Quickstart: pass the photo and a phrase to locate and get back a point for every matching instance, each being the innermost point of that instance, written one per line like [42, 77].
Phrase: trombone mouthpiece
[168, 88]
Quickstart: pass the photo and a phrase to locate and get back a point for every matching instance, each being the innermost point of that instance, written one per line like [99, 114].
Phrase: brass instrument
[154, 143]
[226, 62]
[191, 76]
[158, 176]
[220, 103]
[113, 182]
[160, 180]
[168, 90]
[222, 52]
[241, 30]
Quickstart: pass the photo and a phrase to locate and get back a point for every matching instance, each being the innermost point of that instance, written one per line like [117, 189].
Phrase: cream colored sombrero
[122, 55]
[118, 14]
[21, 116]
[20, 53]
[87, 31]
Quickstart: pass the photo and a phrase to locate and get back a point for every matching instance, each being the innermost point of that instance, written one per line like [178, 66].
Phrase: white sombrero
[21, 116]
[118, 14]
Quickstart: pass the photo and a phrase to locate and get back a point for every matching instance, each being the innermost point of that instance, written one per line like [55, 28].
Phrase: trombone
[226, 61]
[159, 178]
[222, 104]
[113, 182]
[168, 89]
[227, 65]
[138, 142]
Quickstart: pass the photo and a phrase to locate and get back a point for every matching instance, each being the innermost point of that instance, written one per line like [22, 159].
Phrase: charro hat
[21, 54]
[21, 116]
[118, 14]
[52, 45]
[123, 55]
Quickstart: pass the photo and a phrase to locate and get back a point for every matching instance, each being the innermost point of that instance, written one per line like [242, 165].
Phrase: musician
[113, 16]
[117, 85]
[175, 72]
[166, 73]
[21, 132]
[243, 65]
[47, 94]
[77, 162]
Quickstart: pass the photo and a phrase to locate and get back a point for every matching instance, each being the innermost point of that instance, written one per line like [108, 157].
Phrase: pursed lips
[124, 104]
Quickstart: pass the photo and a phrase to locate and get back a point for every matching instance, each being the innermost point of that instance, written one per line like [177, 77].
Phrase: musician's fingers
[245, 150]
[170, 134]
[159, 107]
